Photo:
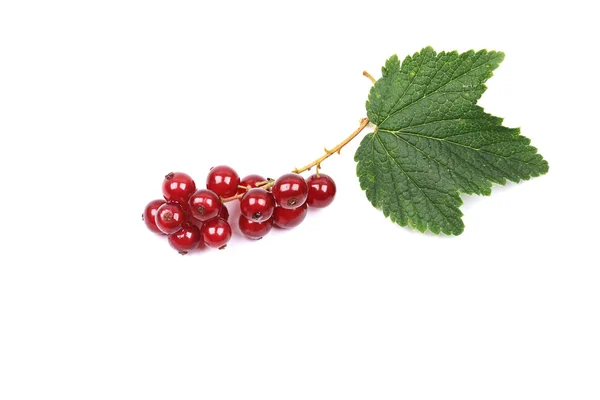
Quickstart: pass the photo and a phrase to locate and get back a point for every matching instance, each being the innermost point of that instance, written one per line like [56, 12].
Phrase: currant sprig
[430, 142]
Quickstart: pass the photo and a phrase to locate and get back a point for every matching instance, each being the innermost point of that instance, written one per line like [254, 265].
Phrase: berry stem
[263, 185]
[363, 124]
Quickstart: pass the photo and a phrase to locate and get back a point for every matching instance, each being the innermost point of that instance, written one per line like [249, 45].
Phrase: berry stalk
[262, 185]
[363, 124]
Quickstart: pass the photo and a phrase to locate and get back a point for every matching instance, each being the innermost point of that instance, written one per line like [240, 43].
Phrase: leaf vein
[413, 183]
[405, 90]
[445, 165]
[430, 94]
[461, 145]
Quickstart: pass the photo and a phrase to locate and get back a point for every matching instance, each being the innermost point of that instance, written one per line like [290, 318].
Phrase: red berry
[169, 218]
[223, 180]
[250, 180]
[188, 215]
[216, 233]
[257, 205]
[205, 204]
[195, 222]
[224, 213]
[255, 230]
[289, 218]
[149, 215]
[290, 190]
[187, 211]
[321, 190]
[186, 239]
[178, 187]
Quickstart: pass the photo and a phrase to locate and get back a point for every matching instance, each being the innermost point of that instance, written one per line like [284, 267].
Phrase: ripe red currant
[290, 190]
[257, 205]
[187, 211]
[321, 190]
[255, 230]
[289, 218]
[195, 222]
[223, 180]
[216, 233]
[224, 213]
[205, 204]
[169, 218]
[185, 239]
[149, 215]
[250, 180]
[178, 187]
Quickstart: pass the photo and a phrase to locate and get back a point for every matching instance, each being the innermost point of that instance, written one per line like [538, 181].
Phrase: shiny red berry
[205, 204]
[255, 230]
[216, 233]
[178, 187]
[249, 180]
[224, 213]
[257, 205]
[187, 211]
[288, 218]
[169, 218]
[290, 191]
[185, 239]
[321, 190]
[149, 215]
[223, 180]
[195, 222]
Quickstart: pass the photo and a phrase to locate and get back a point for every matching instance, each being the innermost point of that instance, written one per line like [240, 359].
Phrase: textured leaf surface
[432, 141]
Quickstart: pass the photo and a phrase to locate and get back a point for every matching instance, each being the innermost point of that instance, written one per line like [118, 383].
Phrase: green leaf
[432, 141]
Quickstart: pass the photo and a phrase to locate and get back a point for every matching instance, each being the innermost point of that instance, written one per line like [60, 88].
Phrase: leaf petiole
[368, 75]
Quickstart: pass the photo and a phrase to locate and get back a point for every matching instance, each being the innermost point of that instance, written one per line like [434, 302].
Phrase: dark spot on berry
[222, 247]
[169, 176]
[200, 210]
[183, 253]
[292, 202]
[257, 215]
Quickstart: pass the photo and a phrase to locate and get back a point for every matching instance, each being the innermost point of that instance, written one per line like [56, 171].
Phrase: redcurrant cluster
[194, 218]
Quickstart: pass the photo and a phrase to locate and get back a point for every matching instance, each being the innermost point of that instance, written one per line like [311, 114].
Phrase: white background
[100, 99]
